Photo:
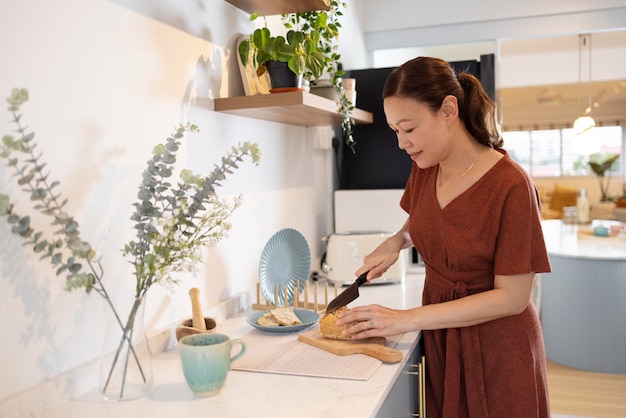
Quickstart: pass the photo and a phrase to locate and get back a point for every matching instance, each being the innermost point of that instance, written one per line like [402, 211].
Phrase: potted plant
[298, 50]
[309, 48]
[601, 168]
[326, 23]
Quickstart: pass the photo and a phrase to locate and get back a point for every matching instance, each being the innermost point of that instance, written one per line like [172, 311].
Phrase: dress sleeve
[520, 247]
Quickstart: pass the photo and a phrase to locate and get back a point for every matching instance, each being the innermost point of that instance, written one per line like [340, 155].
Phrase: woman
[474, 217]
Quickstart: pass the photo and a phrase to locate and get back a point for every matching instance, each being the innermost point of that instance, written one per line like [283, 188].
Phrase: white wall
[108, 80]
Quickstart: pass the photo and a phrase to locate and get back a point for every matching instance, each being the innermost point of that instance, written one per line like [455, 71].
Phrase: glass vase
[126, 368]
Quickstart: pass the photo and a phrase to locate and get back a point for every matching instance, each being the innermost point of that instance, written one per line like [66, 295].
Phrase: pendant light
[585, 122]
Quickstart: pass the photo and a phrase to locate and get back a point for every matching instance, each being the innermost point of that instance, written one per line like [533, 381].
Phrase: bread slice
[267, 320]
[285, 316]
[329, 328]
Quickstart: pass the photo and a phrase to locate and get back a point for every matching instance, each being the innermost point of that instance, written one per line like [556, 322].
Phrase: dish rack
[314, 288]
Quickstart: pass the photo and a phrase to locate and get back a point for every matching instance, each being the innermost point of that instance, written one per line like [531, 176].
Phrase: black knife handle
[362, 278]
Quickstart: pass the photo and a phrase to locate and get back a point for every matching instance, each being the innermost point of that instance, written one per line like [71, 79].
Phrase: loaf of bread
[329, 328]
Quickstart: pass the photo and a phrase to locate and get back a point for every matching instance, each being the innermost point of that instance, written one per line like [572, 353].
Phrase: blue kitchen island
[583, 299]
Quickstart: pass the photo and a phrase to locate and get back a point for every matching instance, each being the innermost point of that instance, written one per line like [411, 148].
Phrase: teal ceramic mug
[206, 360]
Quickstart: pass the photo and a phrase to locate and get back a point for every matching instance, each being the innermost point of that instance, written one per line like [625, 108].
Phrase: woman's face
[424, 135]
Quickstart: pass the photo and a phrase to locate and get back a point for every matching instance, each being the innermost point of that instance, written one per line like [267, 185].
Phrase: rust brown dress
[497, 368]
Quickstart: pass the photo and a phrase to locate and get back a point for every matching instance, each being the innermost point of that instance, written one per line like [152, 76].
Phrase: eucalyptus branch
[172, 223]
[29, 171]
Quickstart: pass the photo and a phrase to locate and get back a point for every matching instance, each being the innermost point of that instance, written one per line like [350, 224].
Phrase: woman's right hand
[378, 261]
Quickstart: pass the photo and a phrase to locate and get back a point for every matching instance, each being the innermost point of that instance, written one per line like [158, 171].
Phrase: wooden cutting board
[373, 347]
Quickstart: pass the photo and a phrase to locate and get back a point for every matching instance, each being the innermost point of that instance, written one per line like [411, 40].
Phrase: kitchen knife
[348, 295]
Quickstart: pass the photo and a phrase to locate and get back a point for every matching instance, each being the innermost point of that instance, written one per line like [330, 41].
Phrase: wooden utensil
[196, 309]
[186, 327]
[373, 347]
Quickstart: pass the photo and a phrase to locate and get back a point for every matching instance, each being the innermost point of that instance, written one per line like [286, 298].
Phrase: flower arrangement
[174, 222]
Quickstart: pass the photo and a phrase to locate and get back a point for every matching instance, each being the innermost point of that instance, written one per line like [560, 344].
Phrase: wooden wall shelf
[292, 108]
[277, 7]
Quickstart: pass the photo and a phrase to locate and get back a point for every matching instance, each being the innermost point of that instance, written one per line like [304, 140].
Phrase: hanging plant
[327, 25]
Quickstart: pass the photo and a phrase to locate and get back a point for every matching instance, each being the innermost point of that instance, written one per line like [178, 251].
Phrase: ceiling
[558, 105]
[529, 97]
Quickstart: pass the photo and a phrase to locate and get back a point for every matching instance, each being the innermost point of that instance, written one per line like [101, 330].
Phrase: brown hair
[429, 80]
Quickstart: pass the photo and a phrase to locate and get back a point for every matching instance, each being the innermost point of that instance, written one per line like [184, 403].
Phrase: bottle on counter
[582, 203]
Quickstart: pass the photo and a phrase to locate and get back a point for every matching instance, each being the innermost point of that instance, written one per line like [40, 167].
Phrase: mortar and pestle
[198, 323]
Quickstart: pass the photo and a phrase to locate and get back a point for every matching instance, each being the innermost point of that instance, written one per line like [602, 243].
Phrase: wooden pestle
[197, 317]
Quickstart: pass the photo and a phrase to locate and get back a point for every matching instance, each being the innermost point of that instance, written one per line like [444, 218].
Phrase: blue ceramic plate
[308, 318]
[285, 260]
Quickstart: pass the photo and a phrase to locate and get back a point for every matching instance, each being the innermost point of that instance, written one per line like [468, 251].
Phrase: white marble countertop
[261, 395]
[571, 240]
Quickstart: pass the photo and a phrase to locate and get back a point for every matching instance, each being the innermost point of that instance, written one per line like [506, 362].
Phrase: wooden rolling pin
[197, 317]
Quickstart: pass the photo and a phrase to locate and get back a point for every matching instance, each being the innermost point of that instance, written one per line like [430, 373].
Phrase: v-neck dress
[497, 368]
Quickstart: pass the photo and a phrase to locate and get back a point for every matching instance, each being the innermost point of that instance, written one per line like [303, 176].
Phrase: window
[560, 152]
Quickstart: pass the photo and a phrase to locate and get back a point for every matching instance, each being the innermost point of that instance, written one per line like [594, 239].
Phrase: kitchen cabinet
[277, 7]
[407, 397]
[293, 108]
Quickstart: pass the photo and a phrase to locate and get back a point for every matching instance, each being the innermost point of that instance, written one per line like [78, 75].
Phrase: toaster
[345, 252]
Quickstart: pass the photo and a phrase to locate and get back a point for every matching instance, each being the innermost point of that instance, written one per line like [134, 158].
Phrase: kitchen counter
[571, 240]
[261, 395]
[583, 314]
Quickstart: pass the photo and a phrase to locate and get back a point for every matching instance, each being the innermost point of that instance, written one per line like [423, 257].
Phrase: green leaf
[17, 98]
[56, 259]
[22, 229]
[24, 223]
[144, 194]
[38, 194]
[149, 182]
[165, 172]
[244, 51]
[26, 179]
[40, 246]
[5, 204]
[75, 268]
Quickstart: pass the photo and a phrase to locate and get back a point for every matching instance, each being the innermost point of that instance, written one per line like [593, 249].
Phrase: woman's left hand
[375, 321]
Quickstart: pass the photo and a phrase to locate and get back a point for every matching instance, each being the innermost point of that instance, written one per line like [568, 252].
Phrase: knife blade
[348, 295]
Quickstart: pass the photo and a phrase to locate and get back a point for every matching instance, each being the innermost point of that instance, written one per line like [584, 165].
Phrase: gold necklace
[460, 176]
